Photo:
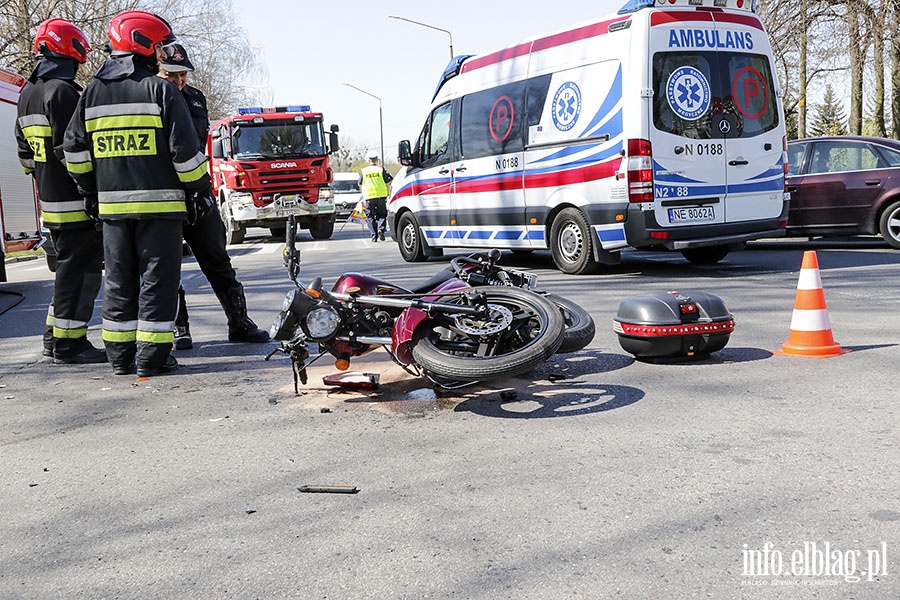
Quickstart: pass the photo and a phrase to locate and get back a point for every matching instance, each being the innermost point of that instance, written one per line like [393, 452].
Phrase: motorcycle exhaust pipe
[474, 311]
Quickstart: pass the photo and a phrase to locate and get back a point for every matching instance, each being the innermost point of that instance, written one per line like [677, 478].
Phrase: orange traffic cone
[810, 327]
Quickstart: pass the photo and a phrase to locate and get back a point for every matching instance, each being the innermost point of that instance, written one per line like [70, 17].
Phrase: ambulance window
[492, 121]
[434, 142]
[704, 95]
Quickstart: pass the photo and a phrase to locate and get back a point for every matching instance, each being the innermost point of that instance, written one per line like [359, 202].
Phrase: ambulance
[660, 126]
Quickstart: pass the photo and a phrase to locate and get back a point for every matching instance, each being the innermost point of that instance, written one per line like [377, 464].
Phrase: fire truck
[269, 163]
[19, 214]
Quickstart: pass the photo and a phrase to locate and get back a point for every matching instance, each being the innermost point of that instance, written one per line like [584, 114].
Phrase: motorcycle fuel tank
[366, 285]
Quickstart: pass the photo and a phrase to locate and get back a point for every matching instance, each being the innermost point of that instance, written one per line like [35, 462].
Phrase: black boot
[182, 339]
[240, 327]
[48, 342]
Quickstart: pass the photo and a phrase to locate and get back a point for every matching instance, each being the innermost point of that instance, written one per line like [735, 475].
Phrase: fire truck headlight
[326, 193]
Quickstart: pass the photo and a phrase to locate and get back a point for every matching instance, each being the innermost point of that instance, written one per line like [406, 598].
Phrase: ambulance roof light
[636, 5]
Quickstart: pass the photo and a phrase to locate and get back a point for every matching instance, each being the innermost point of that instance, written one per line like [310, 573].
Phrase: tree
[830, 118]
[224, 59]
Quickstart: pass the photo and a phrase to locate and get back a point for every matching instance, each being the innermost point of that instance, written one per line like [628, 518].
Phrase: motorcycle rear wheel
[534, 334]
[579, 326]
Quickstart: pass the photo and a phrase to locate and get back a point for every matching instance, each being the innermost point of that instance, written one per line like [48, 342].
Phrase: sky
[312, 49]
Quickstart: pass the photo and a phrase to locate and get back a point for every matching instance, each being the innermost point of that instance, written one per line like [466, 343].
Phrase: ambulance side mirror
[405, 154]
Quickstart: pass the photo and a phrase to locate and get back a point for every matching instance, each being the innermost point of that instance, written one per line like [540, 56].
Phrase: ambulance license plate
[692, 214]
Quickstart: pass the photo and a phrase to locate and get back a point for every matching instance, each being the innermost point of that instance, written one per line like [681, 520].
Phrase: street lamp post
[429, 27]
[380, 120]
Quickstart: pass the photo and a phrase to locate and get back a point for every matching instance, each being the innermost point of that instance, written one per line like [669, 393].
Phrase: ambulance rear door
[716, 130]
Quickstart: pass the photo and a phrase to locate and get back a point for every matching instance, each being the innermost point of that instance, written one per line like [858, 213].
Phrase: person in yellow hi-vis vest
[373, 182]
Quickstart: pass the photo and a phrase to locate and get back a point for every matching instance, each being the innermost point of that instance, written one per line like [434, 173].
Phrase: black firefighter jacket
[44, 109]
[132, 144]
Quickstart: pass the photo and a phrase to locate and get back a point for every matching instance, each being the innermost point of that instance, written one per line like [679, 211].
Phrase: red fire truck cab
[269, 163]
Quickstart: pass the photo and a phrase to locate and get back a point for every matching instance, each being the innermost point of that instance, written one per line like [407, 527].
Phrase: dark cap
[176, 60]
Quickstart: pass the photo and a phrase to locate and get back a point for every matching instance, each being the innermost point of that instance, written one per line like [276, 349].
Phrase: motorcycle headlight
[322, 323]
[284, 326]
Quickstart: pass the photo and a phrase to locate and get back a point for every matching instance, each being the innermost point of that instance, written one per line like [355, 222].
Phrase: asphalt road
[745, 475]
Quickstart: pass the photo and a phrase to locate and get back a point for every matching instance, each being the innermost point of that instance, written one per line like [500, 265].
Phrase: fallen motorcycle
[481, 268]
[452, 333]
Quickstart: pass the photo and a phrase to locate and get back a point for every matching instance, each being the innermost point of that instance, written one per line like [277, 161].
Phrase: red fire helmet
[61, 37]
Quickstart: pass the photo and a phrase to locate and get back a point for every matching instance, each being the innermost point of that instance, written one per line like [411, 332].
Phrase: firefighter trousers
[79, 261]
[143, 271]
[206, 238]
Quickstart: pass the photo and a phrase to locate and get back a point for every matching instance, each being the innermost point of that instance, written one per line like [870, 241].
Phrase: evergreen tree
[830, 118]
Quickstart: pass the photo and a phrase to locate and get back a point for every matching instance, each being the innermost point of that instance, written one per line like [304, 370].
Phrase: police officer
[373, 182]
[205, 232]
[132, 148]
[45, 106]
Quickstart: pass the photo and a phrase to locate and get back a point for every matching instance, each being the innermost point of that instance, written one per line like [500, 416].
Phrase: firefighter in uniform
[133, 150]
[205, 232]
[45, 106]
[373, 182]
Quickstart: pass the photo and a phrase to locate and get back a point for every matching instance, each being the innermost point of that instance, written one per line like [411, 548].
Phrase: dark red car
[843, 186]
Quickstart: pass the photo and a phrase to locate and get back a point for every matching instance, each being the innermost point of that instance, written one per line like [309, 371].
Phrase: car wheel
[889, 225]
[409, 239]
[705, 255]
[571, 243]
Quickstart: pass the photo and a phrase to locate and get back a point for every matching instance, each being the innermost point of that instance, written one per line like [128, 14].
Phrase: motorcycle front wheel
[522, 330]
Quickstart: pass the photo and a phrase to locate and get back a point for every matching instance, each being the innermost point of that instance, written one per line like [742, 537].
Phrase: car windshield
[345, 187]
[278, 139]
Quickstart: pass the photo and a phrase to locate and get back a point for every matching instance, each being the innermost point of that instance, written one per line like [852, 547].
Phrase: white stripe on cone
[810, 320]
[810, 279]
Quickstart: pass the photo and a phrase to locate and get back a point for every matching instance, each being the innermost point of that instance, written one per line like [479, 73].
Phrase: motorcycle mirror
[315, 285]
[494, 255]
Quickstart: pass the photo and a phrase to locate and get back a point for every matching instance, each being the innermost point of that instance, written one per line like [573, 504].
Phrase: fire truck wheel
[234, 231]
[322, 228]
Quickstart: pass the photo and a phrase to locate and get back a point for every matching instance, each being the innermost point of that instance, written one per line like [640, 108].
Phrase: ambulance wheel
[889, 225]
[571, 243]
[234, 231]
[409, 238]
[706, 255]
[321, 228]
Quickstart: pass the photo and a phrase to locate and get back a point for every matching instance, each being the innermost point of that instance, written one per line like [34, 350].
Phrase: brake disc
[498, 318]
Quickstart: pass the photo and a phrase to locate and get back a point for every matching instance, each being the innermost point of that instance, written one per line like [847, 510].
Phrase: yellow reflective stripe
[118, 336]
[134, 208]
[50, 320]
[69, 334]
[154, 337]
[193, 175]
[122, 121]
[37, 131]
[66, 217]
[28, 170]
[79, 168]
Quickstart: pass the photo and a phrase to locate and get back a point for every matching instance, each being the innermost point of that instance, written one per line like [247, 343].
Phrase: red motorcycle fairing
[411, 318]
[366, 285]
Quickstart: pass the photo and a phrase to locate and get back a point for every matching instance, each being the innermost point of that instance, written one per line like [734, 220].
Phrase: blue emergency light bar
[256, 110]
[636, 5]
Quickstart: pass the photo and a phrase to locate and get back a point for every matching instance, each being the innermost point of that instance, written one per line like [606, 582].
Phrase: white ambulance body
[660, 126]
